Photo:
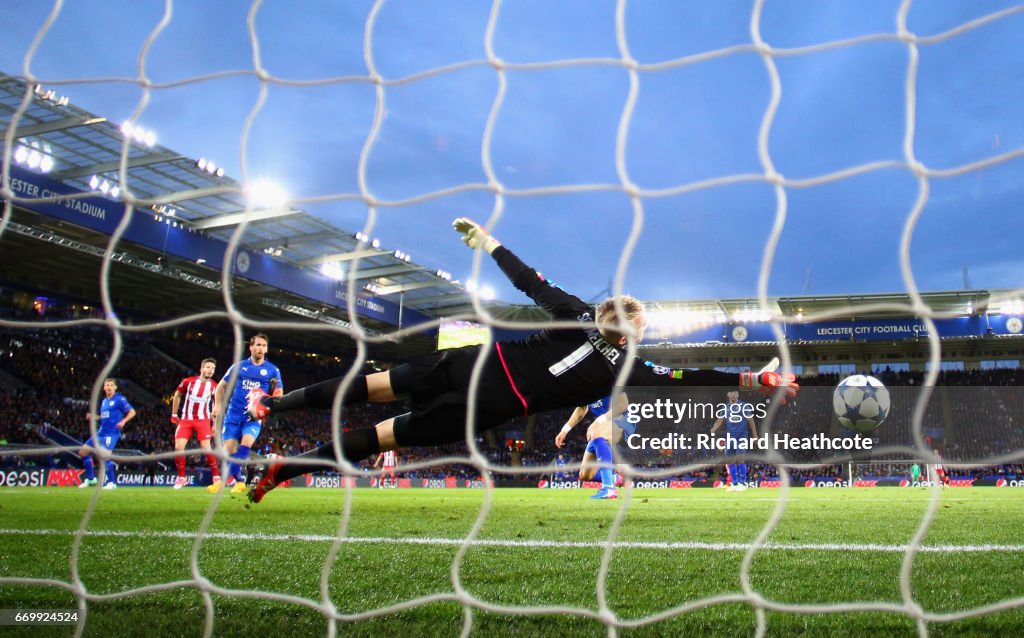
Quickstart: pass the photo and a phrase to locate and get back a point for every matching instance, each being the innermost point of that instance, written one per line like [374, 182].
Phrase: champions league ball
[861, 403]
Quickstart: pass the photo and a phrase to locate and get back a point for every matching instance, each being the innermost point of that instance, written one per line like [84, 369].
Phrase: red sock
[180, 462]
[211, 460]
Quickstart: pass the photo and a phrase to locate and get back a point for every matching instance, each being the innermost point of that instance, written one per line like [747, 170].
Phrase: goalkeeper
[554, 369]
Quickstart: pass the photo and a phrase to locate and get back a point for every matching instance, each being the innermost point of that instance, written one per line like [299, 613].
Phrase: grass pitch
[536, 548]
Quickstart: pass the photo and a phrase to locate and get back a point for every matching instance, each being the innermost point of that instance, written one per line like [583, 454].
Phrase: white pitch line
[839, 499]
[456, 542]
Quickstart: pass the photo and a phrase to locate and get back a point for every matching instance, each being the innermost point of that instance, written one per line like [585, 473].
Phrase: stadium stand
[55, 380]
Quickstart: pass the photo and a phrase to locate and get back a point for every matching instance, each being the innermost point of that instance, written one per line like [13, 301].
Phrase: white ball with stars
[861, 402]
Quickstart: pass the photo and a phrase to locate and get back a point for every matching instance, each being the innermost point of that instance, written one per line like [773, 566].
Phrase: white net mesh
[626, 184]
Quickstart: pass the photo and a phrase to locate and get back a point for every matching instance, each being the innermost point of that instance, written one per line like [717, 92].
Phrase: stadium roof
[82, 145]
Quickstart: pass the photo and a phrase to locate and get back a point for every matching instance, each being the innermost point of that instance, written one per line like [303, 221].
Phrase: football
[861, 402]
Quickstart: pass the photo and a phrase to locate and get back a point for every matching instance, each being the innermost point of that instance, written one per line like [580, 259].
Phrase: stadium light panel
[111, 189]
[333, 269]
[49, 95]
[750, 315]
[266, 194]
[208, 166]
[35, 155]
[138, 134]
[1014, 307]
[484, 291]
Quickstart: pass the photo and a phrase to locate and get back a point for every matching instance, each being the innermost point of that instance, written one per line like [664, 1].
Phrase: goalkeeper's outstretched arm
[559, 303]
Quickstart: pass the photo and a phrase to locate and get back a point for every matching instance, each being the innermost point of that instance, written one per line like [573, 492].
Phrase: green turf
[367, 577]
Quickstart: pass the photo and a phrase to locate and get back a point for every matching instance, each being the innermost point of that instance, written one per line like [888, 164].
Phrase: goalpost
[627, 185]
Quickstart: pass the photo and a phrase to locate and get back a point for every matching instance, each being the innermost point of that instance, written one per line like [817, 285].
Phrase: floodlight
[266, 194]
[333, 269]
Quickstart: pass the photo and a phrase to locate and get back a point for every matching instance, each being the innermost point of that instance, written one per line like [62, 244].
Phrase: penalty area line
[530, 544]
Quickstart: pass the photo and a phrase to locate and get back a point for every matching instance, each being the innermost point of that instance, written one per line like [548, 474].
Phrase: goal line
[528, 544]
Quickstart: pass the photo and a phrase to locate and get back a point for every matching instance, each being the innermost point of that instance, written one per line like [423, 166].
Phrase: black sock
[319, 395]
[355, 446]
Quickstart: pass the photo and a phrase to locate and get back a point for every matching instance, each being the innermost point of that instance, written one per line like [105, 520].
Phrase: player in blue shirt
[599, 447]
[560, 464]
[115, 411]
[739, 422]
[254, 373]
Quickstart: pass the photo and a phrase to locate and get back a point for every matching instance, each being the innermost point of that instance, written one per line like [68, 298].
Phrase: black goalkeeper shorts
[440, 397]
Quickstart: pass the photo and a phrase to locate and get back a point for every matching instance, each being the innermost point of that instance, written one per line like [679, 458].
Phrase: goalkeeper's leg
[355, 446]
[440, 423]
[376, 388]
[423, 378]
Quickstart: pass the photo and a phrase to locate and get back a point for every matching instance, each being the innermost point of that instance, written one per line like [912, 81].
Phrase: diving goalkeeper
[554, 369]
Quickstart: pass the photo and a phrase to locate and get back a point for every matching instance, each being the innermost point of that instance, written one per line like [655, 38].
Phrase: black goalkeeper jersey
[566, 367]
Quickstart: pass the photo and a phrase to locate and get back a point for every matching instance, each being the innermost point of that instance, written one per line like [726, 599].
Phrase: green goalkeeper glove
[474, 236]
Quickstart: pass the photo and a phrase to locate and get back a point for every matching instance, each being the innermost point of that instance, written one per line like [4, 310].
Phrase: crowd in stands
[973, 416]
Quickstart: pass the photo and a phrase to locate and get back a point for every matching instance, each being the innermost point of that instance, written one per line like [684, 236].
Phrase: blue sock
[731, 469]
[235, 469]
[741, 470]
[604, 455]
[111, 475]
[90, 469]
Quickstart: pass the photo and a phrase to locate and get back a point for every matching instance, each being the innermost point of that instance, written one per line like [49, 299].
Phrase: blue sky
[558, 126]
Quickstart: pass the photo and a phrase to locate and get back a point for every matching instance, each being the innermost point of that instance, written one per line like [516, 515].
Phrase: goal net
[655, 180]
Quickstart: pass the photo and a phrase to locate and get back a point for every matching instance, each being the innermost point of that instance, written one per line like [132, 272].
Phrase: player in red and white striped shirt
[194, 416]
[390, 460]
